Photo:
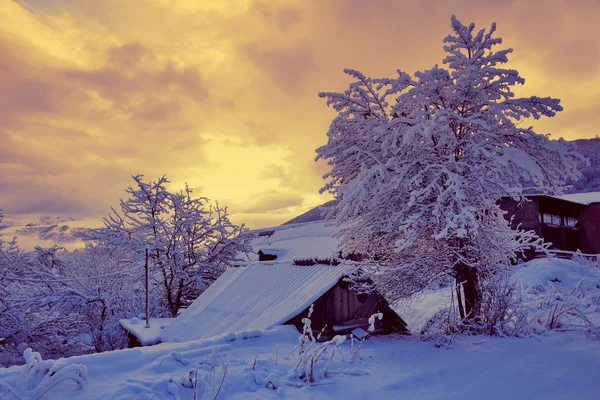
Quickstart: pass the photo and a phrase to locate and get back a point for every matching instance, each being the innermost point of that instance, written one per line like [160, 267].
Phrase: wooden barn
[292, 267]
[269, 293]
[341, 310]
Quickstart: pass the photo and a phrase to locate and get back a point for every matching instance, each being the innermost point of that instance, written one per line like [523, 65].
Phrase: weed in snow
[520, 310]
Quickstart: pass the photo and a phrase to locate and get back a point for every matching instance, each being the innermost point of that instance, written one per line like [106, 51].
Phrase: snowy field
[552, 366]
[261, 365]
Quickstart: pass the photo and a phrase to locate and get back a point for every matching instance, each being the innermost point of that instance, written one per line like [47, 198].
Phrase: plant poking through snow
[311, 352]
[592, 262]
[211, 373]
[39, 377]
[559, 310]
[363, 337]
[518, 309]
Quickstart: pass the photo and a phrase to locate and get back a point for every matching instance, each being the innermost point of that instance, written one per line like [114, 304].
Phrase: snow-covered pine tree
[189, 241]
[419, 163]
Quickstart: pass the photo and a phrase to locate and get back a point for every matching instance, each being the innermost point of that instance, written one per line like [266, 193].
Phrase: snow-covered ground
[553, 365]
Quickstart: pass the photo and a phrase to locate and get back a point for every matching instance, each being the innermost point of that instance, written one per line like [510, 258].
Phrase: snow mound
[424, 307]
[564, 274]
[539, 277]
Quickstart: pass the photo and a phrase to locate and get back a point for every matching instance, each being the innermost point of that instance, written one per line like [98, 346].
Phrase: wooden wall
[590, 226]
[342, 307]
[527, 214]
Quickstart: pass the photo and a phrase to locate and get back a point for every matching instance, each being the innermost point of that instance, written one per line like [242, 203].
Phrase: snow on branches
[189, 241]
[419, 163]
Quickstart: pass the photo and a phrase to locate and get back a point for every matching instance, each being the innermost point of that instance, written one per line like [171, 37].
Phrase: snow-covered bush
[30, 304]
[355, 351]
[102, 288]
[559, 294]
[499, 314]
[39, 377]
[62, 303]
[559, 309]
[541, 295]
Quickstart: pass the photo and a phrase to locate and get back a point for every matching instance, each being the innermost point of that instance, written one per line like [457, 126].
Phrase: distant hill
[590, 179]
[590, 148]
[316, 214]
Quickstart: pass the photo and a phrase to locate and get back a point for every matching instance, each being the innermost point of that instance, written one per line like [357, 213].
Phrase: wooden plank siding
[527, 215]
[341, 306]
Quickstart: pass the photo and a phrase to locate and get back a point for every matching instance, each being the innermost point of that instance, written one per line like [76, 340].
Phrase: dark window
[552, 219]
[570, 221]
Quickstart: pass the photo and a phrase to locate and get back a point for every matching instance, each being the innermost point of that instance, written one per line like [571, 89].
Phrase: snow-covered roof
[297, 241]
[582, 198]
[280, 253]
[579, 198]
[146, 336]
[257, 297]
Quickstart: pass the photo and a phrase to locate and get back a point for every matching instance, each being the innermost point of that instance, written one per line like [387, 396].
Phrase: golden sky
[223, 94]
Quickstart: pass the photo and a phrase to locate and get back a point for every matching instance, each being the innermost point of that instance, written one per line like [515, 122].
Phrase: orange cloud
[223, 94]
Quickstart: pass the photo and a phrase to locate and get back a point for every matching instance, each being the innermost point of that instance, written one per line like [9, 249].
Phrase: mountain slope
[590, 179]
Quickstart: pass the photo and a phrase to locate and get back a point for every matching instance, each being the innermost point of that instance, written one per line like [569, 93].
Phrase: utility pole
[147, 292]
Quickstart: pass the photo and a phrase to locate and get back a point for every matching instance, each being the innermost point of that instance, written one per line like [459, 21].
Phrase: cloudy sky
[223, 94]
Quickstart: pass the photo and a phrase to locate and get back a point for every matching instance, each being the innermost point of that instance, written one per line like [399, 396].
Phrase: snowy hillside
[316, 214]
[262, 365]
[590, 179]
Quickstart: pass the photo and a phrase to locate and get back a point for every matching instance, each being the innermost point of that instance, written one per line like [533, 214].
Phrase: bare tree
[189, 242]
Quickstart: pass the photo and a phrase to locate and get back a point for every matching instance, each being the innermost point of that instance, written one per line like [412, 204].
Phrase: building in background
[570, 222]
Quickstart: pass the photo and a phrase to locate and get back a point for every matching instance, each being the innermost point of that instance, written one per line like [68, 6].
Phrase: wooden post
[147, 292]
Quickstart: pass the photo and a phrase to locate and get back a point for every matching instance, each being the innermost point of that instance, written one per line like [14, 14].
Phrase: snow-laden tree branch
[419, 163]
[189, 241]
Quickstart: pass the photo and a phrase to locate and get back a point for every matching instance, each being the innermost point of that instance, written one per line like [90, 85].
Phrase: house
[281, 290]
[270, 293]
[570, 222]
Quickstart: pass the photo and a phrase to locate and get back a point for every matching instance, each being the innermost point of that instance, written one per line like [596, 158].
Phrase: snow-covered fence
[566, 254]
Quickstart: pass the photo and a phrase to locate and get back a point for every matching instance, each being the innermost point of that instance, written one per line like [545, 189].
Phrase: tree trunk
[178, 298]
[459, 301]
[467, 278]
[147, 291]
